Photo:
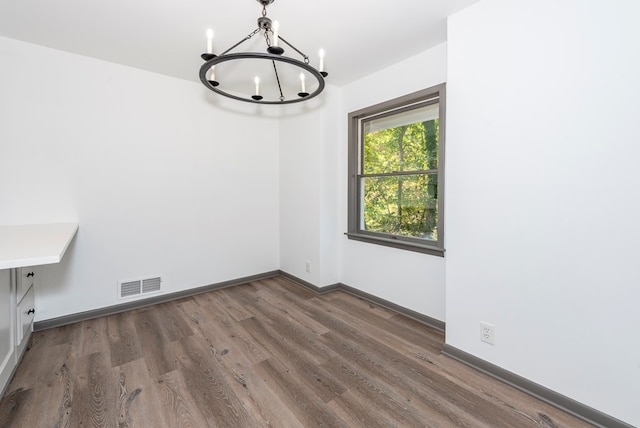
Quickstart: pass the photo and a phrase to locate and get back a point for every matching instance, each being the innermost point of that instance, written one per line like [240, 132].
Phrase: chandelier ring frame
[260, 56]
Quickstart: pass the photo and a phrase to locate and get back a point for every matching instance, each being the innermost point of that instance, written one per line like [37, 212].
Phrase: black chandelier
[226, 73]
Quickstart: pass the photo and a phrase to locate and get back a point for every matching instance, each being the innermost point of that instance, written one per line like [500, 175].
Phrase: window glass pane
[405, 147]
[401, 205]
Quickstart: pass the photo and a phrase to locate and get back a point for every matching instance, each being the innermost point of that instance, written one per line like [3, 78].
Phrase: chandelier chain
[253, 33]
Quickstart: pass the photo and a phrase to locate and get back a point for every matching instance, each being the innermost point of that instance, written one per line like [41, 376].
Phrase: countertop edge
[54, 256]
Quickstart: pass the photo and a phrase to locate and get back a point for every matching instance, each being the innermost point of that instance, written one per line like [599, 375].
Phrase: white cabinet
[7, 328]
[20, 246]
[17, 310]
[25, 312]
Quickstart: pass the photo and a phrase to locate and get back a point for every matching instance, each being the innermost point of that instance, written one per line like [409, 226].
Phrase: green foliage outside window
[400, 180]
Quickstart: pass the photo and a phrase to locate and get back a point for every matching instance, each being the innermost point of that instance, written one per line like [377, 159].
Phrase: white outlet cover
[488, 333]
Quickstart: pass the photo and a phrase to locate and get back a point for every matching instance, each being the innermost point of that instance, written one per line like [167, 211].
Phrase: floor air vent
[138, 287]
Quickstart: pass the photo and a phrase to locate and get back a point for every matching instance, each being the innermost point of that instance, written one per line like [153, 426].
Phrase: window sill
[397, 243]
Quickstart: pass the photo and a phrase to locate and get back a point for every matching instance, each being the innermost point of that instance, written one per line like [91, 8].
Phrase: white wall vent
[151, 285]
[139, 287]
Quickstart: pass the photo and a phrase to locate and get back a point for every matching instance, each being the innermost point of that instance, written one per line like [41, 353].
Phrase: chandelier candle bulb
[321, 65]
[276, 28]
[212, 73]
[257, 82]
[302, 85]
[209, 41]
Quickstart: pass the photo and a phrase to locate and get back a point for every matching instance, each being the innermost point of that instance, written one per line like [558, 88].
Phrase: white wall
[542, 194]
[299, 201]
[413, 280]
[310, 142]
[160, 180]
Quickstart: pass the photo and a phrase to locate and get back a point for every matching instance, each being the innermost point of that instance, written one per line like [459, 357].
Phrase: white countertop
[34, 244]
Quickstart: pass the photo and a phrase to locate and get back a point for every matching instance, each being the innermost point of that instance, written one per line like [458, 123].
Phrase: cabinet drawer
[26, 279]
[25, 314]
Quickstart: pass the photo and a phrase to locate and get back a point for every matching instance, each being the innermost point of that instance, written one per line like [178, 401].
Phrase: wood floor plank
[210, 386]
[45, 404]
[158, 353]
[358, 412]
[126, 399]
[286, 288]
[244, 295]
[382, 329]
[237, 353]
[140, 402]
[266, 353]
[35, 371]
[94, 385]
[300, 399]
[178, 406]
[42, 387]
[172, 321]
[60, 335]
[89, 337]
[286, 302]
[287, 352]
[268, 403]
[11, 407]
[234, 309]
[124, 345]
[300, 342]
[224, 334]
[359, 305]
[367, 388]
[367, 316]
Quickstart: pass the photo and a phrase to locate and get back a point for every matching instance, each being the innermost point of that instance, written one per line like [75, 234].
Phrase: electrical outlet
[488, 333]
[307, 266]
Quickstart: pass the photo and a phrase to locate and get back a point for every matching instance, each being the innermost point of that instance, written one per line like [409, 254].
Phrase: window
[396, 172]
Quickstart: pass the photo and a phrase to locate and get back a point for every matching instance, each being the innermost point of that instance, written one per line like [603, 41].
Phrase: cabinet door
[7, 307]
[26, 279]
[26, 313]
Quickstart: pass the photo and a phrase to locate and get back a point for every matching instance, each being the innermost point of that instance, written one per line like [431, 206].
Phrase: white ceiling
[167, 37]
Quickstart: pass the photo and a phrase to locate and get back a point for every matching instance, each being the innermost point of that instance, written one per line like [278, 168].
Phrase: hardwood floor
[267, 353]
